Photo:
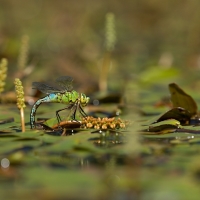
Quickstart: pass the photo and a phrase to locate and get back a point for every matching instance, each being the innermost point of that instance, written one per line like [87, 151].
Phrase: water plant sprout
[24, 50]
[110, 41]
[20, 101]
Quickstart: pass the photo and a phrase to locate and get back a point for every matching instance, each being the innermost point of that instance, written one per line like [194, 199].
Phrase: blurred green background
[68, 38]
[157, 42]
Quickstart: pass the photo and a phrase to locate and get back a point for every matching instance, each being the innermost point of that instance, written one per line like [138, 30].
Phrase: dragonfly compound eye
[84, 99]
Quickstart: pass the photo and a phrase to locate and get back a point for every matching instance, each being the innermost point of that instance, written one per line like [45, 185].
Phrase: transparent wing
[65, 82]
[43, 87]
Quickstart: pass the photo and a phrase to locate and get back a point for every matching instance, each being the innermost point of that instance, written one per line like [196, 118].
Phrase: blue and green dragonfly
[62, 93]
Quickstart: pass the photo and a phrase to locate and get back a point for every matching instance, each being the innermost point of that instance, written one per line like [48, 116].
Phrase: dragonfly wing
[65, 82]
[43, 87]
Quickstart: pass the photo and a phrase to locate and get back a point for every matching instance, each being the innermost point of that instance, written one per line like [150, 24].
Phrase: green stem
[22, 119]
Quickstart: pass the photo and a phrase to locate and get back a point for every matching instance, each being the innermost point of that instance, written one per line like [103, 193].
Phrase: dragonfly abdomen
[47, 99]
[65, 98]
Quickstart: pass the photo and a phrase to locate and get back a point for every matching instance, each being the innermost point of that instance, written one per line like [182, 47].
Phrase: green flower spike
[24, 51]
[20, 100]
[110, 41]
[110, 33]
[3, 73]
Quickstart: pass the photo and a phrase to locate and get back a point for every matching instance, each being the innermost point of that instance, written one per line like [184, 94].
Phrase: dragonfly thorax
[68, 97]
[72, 97]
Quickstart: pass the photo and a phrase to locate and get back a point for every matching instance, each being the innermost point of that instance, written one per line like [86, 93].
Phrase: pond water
[144, 160]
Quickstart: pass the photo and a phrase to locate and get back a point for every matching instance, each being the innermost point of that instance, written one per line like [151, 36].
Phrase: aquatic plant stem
[22, 119]
[103, 79]
[110, 41]
[24, 51]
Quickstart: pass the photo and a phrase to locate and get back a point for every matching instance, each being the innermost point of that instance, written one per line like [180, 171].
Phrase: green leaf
[164, 127]
[181, 99]
[157, 74]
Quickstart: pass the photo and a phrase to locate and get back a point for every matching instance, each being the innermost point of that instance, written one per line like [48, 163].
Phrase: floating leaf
[69, 143]
[180, 114]
[8, 120]
[51, 122]
[180, 99]
[163, 127]
[68, 124]
[7, 132]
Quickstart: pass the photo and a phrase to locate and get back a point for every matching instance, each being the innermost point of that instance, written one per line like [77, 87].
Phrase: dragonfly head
[84, 99]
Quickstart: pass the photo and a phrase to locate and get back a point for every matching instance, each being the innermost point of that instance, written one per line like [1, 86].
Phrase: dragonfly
[61, 93]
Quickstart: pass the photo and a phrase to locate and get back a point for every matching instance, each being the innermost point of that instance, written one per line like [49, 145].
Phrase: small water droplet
[96, 102]
[5, 163]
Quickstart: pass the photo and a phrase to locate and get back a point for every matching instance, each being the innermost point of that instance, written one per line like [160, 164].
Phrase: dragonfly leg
[57, 112]
[74, 108]
[82, 111]
[74, 113]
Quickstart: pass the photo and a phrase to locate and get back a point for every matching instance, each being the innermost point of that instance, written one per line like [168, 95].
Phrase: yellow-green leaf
[181, 99]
